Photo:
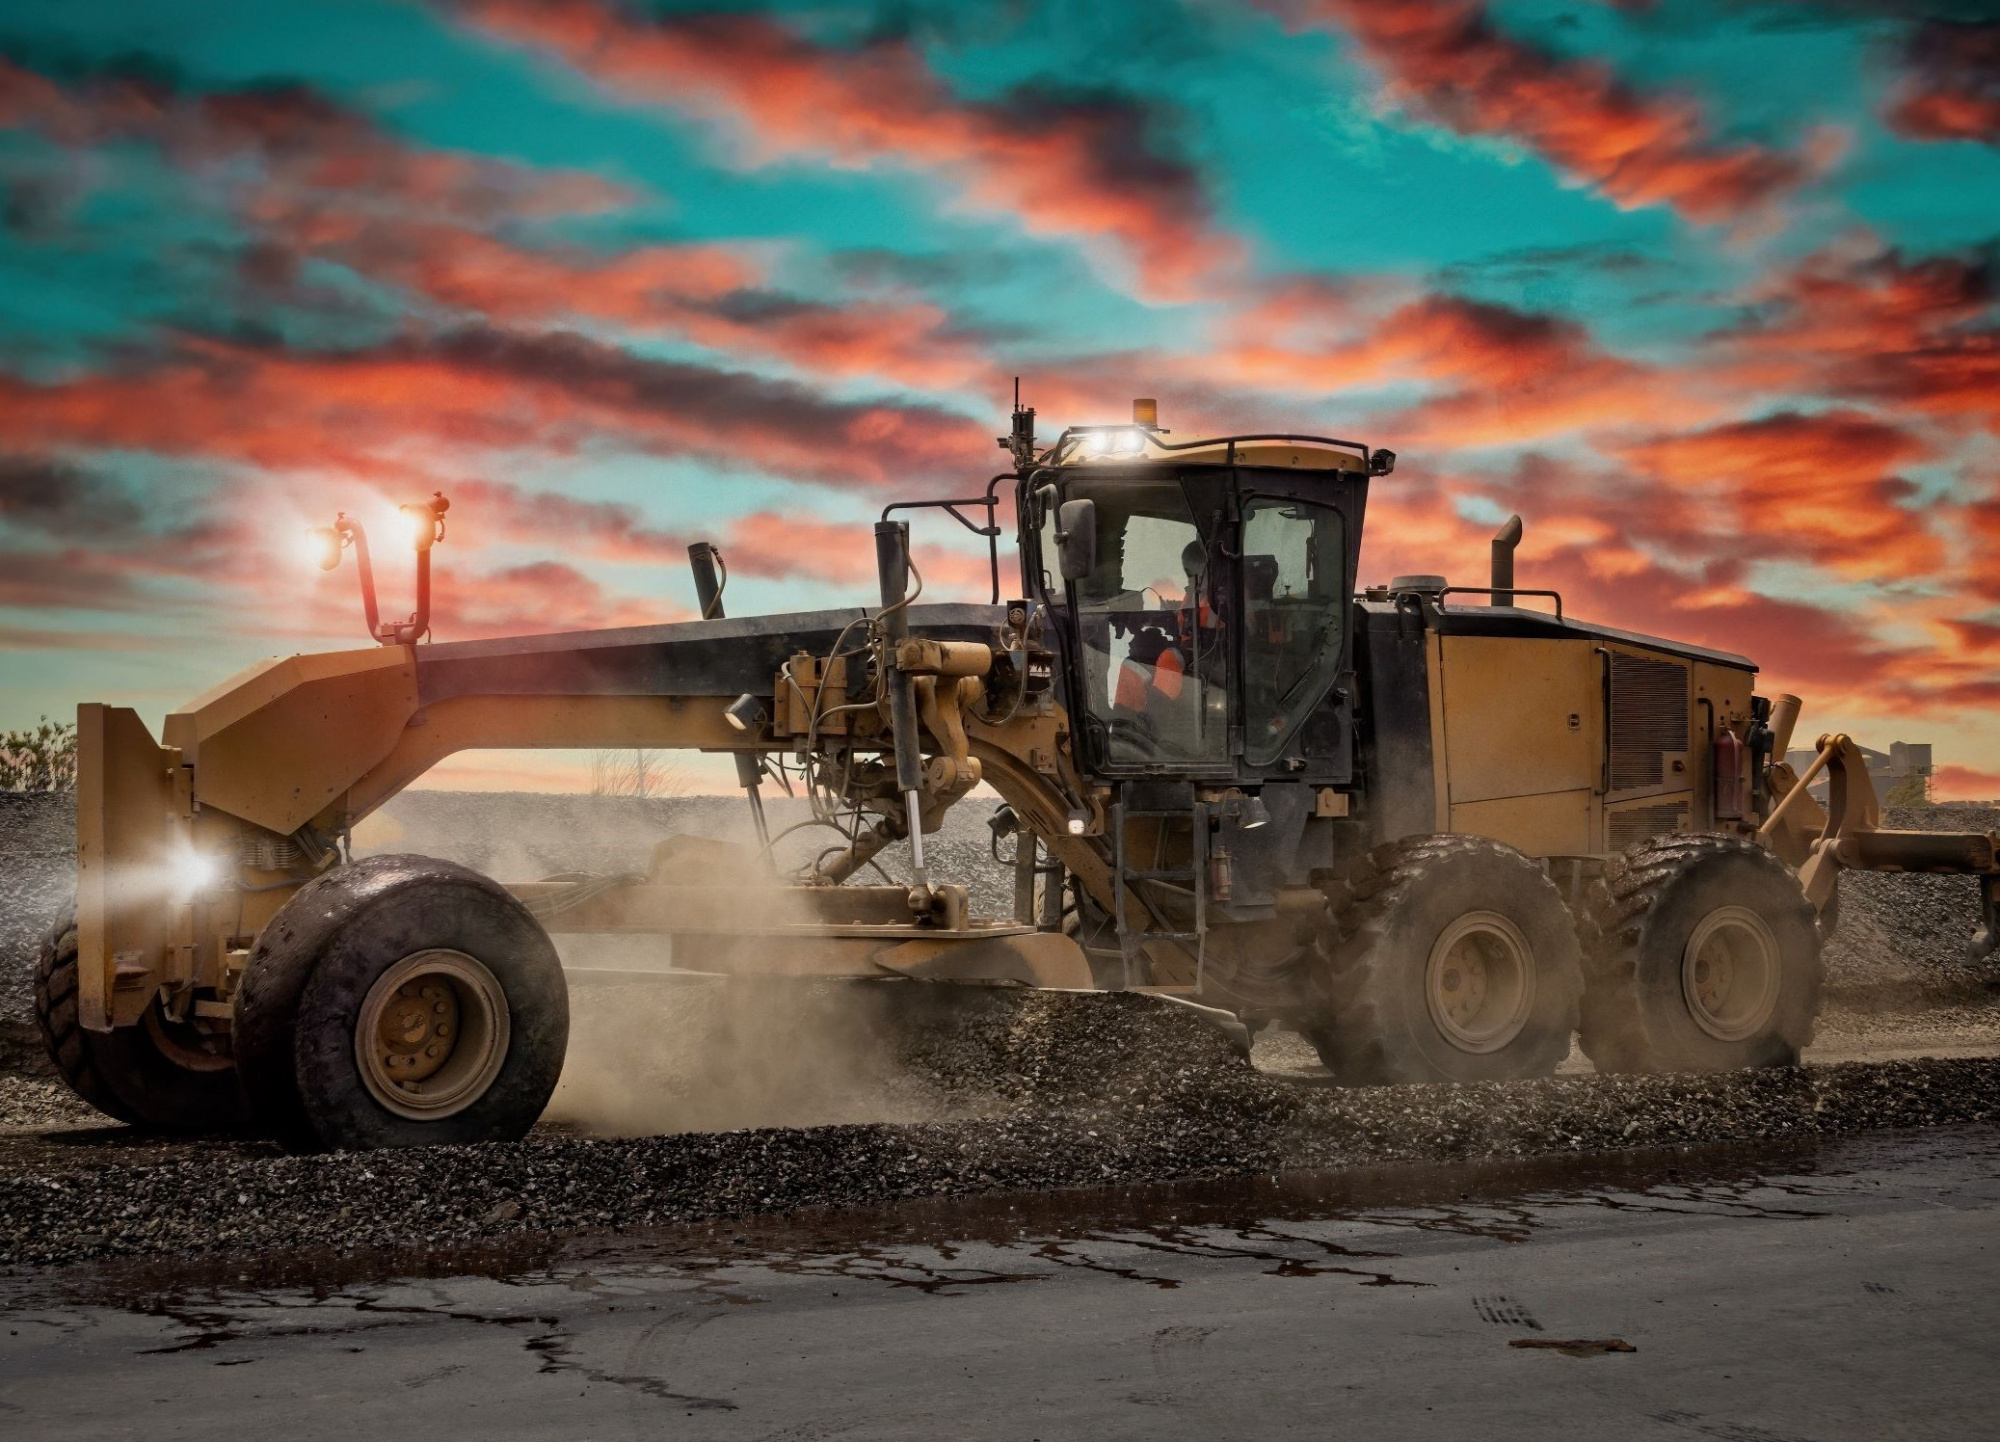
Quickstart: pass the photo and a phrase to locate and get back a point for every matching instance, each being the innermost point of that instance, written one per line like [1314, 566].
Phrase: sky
[1707, 290]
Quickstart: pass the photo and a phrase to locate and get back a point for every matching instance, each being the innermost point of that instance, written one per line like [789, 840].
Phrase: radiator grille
[1643, 822]
[1649, 717]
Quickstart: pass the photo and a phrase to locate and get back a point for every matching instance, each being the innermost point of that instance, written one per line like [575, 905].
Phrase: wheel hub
[1480, 982]
[432, 1034]
[1730, 973]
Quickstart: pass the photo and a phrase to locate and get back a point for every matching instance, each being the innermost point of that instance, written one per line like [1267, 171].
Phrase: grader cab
[1438, 829]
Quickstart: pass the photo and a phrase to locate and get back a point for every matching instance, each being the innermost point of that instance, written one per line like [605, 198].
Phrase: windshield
[1152, 622]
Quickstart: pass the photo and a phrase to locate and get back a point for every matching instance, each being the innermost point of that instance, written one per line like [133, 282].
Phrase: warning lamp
[425, 524]
[424, 521]
[1146, 412]
[323, 545]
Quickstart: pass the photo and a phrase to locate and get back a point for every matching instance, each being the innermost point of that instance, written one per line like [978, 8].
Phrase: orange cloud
[533, 598]
[1819, 487]
[1502, 376]
[1449, 61]
[320, 182]
[1950, 88]
[408, 409]
[1078, 167]
[1864, 322]
[1965, 783]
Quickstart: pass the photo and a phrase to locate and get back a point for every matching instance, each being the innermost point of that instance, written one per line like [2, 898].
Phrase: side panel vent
[1649, 717]
[1642, 823]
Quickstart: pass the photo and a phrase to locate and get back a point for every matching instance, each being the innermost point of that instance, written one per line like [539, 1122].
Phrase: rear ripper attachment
[1232, 776]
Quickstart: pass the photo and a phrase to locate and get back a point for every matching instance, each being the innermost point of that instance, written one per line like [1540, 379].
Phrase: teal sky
[1704, 288]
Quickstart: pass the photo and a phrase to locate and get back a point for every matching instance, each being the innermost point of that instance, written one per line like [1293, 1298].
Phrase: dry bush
[43, 759]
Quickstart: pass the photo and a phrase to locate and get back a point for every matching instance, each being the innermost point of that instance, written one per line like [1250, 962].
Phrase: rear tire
[1454, 961]
[401, 1001]
[1702, 954]
[155, 1073]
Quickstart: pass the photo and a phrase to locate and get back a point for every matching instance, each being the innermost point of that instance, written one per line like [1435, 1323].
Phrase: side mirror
[1076, 538]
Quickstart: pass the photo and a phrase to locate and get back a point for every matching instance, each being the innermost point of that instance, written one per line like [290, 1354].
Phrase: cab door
[1295, 588]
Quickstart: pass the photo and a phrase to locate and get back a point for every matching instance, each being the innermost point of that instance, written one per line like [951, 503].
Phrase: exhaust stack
[1504, 542]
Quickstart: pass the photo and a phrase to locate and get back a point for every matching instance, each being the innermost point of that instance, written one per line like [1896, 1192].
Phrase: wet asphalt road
[1843, 1289]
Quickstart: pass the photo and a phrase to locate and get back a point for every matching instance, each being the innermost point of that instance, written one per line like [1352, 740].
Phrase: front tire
[1454, 961]
[155, 1073]
[1703, 955]
[401, 1001]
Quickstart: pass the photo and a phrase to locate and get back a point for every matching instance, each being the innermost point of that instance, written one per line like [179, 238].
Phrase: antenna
[1021, 440]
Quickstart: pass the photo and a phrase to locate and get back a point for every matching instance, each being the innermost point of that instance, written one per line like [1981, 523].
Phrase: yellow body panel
[1520, 717]
[1518, 730]
[127, 828]
[277, 743]
[1554, 823]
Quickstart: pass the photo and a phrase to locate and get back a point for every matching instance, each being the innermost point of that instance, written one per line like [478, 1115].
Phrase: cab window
[1294, 606]
[1155, 649]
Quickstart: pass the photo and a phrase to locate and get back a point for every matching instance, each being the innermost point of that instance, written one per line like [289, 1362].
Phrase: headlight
[194, 873]
[746, 713]
[1117, 441]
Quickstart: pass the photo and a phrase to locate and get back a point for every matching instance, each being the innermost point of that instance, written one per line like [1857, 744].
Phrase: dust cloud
[670, 1054]
[700, 1048]
[654, 1051]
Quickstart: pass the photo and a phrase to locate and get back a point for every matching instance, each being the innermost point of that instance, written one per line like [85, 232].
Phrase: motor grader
[1436, 828]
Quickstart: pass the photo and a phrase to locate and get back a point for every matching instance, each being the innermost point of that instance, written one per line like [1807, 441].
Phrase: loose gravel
[1167, 1099]
[37, 877]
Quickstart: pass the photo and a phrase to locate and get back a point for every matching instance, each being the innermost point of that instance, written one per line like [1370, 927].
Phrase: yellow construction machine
[1439, 829]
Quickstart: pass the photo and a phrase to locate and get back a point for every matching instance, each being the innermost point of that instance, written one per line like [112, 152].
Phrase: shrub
[43, 759]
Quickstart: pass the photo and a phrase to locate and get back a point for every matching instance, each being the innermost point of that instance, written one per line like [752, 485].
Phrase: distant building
[1903, 760]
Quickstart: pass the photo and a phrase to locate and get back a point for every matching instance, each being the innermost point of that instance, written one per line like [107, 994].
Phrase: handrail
[991, 530]
[1555, 596]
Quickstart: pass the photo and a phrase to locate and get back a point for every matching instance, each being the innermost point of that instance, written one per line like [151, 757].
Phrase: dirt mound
[1909, 933]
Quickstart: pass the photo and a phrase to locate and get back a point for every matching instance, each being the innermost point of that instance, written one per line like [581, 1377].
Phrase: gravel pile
[37, 876]
[1168, 1100]
[33, 1103]
[1909, 933]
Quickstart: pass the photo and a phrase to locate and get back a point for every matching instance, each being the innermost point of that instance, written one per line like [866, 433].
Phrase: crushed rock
[1907, 934]
[1170, 1099]
[37, 877]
